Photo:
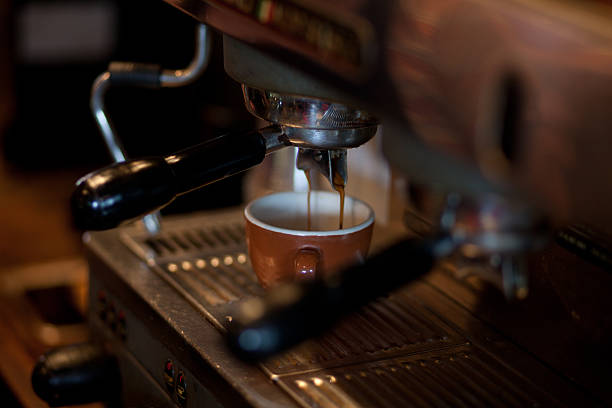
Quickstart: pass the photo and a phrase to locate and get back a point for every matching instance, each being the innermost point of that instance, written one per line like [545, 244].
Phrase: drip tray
[400, 350]
[457, 377]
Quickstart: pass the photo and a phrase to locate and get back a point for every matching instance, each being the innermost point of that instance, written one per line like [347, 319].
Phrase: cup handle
[306, 264]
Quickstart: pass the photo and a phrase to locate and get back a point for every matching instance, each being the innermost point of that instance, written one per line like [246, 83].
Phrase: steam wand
[143, 75]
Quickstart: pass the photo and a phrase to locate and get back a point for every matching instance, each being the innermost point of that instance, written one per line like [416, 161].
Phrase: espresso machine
[494, 119]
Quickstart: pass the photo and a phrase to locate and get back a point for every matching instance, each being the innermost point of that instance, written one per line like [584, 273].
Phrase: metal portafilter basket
[130, 189]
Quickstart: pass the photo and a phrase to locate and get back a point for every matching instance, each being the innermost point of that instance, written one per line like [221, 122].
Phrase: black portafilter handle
[77, 374]
[123, 191]
[287, 315]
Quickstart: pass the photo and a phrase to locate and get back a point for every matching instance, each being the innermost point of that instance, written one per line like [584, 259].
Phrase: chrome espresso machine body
[494, 118]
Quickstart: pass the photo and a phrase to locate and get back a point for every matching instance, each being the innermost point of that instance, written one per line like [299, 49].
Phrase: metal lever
[144, 75]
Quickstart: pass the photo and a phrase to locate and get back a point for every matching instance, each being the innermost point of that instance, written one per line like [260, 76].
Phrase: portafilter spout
[330, 163]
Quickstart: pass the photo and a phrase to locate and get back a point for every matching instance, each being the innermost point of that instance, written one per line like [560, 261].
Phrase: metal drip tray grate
[394, 352]
[387, 327]
[461, 377]
[206, 257]
[188, 238]
[215, 280]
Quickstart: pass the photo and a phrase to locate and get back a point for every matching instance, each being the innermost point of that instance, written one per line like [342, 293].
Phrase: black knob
[121, 192]
[77, 374]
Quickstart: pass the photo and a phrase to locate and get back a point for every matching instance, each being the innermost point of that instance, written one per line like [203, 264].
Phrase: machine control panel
[172, 378]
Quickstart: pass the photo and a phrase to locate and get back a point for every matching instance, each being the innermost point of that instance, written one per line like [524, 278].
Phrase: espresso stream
[323, 221]
[339, 187]
[309, 224]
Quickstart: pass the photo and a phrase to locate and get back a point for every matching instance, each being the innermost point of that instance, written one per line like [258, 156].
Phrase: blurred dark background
[50, 53]
[57, 48]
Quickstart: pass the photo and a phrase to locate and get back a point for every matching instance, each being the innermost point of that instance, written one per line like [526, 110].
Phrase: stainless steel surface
[160, 313]
[248, 65]
[310, 122]
[209, 261]
[180, 77]
[304, 112]
[329, 138]
[459, 376]
[415, 347]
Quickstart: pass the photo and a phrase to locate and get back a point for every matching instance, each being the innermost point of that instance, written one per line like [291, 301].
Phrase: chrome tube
[152, 222]
[98, 91]
[181, 77]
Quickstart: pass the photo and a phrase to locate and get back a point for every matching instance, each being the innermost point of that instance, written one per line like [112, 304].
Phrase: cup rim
[344, 231]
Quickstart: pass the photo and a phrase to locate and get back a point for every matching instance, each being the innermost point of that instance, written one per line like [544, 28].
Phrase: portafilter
[123, 191]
